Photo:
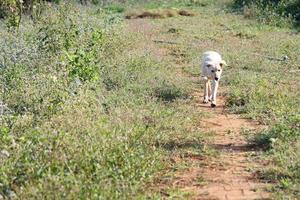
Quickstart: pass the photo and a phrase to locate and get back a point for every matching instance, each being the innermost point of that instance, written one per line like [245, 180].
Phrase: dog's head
[215, 69]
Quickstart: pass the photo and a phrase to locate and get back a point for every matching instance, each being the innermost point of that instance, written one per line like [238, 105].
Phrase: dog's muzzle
[216, 78]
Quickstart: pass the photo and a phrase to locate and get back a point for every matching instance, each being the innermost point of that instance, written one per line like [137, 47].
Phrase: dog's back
[211, 57]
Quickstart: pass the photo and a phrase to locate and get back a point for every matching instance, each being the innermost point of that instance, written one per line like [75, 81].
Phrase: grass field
[93, 108]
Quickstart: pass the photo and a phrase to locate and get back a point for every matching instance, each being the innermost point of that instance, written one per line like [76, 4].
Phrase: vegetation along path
[103, 100]
[232, 171]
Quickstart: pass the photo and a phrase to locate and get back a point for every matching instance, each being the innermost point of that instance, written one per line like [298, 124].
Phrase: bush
[260, 91]
[274, 12]
[169, 92]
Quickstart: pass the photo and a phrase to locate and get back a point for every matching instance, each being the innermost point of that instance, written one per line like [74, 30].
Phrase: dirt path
[231, 175]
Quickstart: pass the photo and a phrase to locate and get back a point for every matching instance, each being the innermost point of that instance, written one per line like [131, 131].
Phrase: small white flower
[273, 140]
[53, 78]
[5, 153]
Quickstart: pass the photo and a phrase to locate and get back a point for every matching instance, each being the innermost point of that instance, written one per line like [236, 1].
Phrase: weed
[168, 92]
[85, 113]
[277, 13]
[115, 8]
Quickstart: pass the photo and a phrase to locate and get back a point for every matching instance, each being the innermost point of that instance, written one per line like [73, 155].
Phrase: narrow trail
[232, 174]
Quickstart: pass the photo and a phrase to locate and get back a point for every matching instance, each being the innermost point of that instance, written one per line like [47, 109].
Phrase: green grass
[86, 115]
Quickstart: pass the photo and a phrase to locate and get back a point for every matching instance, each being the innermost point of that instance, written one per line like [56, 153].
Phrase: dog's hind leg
[214, 93]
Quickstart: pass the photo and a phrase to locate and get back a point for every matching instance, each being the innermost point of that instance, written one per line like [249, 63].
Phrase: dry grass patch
[158, 13]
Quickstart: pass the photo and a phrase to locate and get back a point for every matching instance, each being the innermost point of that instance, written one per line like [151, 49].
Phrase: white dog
[212, 67]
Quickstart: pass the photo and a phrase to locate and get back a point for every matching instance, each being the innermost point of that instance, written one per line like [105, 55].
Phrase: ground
[232, 173]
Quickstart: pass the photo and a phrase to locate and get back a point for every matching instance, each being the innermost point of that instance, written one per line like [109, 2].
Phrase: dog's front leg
[209, 91]
[214, 93]
[206, 90]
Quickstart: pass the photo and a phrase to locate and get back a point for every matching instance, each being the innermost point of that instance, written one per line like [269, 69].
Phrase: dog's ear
[223, 63]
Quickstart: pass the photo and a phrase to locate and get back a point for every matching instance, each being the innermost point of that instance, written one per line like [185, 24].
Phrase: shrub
[274, 12]
[261, 91]
[7, 7]
[83, 117]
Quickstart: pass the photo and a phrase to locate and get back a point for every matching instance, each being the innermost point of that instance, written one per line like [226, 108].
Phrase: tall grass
[274, 12]
[272, 98]
[83, 116]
